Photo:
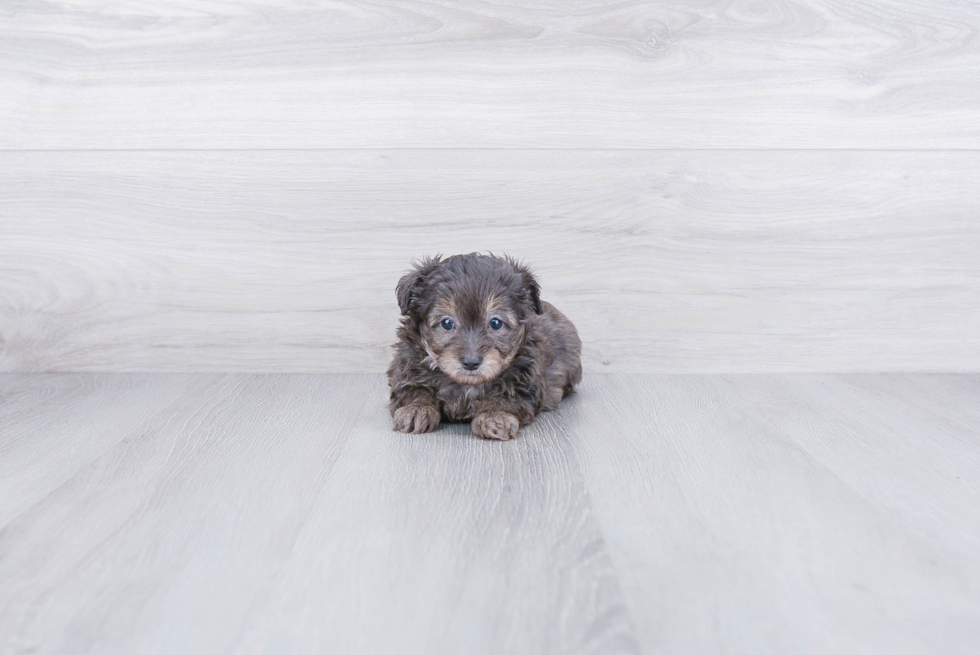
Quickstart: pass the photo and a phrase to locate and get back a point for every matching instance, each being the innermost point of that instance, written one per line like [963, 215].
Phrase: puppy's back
[561, 351]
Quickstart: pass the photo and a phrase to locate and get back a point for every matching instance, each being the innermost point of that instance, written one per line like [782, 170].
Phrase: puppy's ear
[532, 290]
[409, 284]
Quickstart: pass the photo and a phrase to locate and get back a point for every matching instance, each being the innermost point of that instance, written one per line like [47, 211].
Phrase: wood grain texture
[666, 261]
[56, 425]
[650, 513]
[583, 74]
[280, 514]
[788, 514]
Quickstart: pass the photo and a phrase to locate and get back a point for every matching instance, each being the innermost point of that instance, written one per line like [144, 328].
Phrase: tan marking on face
[499, 308]
[495, 305]
[493, 365]
[448, 360]
[444, 307]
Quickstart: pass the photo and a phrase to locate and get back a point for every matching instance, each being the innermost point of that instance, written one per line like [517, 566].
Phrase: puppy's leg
[500, 418]
[495, 425]
[415, 410]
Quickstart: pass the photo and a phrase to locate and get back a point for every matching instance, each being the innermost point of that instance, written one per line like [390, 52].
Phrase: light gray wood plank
[163, 538]
[591, 73]
[280, 514]
[446, 543]
[783, 514]
[921, 465]
[54, 426]
[666, 261]
[948, 397]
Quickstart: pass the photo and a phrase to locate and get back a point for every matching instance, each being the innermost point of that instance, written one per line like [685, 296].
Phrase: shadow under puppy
[476, 343]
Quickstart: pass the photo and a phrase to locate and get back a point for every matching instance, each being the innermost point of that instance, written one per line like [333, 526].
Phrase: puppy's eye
[496, 324]
[448, 323]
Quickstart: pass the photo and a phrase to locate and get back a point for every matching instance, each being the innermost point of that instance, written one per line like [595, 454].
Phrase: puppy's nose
[471, 363]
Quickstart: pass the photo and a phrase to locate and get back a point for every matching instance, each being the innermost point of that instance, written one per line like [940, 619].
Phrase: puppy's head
[469, 312]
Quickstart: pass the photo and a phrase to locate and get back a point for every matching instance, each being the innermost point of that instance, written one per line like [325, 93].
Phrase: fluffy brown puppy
[476, 343]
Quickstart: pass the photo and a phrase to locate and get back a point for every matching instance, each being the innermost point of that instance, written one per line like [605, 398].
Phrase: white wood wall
[701, 185]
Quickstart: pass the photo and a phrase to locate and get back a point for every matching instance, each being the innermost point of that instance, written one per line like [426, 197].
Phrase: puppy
[476, 343]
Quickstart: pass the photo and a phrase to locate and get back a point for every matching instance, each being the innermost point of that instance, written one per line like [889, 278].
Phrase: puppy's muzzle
[471, 363]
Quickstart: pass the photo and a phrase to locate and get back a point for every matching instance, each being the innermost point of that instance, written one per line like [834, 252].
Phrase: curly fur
[527, 365]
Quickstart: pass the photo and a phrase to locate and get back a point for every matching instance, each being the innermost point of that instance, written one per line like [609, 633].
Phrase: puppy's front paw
[416, 418]
[496, 425]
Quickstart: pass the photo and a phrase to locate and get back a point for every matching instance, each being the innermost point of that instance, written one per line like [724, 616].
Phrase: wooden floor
[216, 513]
